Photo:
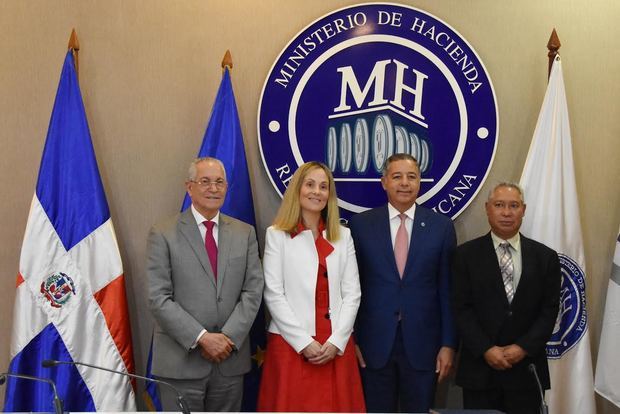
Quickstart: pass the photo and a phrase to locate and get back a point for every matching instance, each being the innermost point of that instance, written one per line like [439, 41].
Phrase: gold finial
[74, 45]
[227, 61]
[553, 45]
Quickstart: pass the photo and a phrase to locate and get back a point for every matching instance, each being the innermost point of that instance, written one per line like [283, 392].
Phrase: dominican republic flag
[552, 218]
[70, 302]
[607, 380]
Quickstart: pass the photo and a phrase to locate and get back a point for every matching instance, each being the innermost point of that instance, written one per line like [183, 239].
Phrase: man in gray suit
[205, 287]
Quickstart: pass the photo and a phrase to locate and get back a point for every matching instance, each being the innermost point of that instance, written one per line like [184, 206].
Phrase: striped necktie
[507, 268]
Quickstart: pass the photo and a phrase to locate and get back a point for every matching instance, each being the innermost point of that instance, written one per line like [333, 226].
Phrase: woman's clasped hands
[319, 354]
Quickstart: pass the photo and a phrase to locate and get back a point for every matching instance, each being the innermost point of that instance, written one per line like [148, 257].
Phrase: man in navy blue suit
[404, 326]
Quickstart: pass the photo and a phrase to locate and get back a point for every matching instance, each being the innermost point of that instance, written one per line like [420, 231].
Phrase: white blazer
[291, 266]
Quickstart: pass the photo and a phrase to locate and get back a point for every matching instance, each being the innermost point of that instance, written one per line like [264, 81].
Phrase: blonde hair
[289, 213]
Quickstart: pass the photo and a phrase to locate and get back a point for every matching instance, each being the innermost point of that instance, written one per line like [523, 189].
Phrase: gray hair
[507, 184]
[192, 170]
[399, 157]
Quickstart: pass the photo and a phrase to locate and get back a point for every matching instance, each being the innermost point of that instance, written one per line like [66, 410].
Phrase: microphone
[48, 363]
[57, 402]
[543, 405]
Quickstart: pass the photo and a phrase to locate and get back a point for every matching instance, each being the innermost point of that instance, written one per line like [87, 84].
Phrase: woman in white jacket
[312, 293]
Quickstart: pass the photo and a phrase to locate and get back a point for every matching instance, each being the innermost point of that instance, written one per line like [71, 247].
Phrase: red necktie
[210, 246]
[401, 246]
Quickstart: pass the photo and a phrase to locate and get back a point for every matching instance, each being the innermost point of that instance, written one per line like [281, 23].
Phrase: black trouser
[517, 401]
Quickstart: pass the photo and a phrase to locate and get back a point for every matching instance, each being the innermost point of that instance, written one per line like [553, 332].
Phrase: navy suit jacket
[421, 298]
[485, 318]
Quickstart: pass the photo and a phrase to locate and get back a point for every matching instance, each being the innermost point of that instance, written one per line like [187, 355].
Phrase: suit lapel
[489, 261]
[224, 241]
[419, 232]
[384, 238]
[526, 269]
[189, 230]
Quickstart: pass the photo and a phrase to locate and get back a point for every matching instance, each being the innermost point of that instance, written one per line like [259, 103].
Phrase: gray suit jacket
[184, 297]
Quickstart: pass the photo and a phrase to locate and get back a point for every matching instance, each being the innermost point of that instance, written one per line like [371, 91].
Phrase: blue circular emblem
[572, 318]
[371, 80]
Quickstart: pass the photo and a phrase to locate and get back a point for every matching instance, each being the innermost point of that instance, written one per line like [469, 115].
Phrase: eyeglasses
[206, 183]
[511, 206]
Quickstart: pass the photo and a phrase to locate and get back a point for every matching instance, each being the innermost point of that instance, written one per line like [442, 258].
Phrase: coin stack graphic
[354, 148]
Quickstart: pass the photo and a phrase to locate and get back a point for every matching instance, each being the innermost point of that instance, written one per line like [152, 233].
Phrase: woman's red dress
[290, 383]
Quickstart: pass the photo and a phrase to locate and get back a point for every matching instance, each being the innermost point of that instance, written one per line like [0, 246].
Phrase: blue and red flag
[70, 300]
[224, 140]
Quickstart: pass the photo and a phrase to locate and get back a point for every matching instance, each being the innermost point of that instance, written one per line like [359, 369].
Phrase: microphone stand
[57, 402]
[543, 405]
[48, 363]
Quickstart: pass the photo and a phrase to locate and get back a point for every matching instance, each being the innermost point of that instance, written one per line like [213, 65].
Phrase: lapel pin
[423, 224]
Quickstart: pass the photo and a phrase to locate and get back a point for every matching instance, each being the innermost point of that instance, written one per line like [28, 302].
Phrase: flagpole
[241, 182]
[548, 180]
[74, 46]
[553, 45]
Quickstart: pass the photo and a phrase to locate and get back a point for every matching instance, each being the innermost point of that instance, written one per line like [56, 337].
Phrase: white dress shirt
[395, 221]
[203, 228]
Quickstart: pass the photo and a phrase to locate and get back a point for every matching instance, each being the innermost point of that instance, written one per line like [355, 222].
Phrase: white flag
[553, 219]
[607, 382]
